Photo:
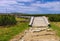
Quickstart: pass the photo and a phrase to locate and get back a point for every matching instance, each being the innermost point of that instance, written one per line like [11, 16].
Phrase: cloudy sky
[30, 6]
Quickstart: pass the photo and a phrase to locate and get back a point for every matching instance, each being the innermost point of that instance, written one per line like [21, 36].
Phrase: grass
[20, 19]
[56, 26]
[7, 32]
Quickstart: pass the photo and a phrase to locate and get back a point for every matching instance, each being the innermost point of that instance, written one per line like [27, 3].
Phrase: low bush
[55, 18]
[7, 20]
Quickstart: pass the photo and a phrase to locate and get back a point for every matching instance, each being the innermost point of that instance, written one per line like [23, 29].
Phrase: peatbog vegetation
[54, 18]
[7, 20]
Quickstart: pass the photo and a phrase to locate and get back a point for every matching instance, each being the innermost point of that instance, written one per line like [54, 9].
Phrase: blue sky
[30, 6]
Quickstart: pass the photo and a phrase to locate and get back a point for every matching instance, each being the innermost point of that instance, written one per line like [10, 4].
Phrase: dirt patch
[18, 37]
[48, 35]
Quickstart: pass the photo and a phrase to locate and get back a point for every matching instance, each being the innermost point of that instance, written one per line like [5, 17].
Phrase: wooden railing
[31, 21]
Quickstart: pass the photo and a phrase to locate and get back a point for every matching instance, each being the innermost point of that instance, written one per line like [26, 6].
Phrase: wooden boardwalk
[39, 21]
[39, 31]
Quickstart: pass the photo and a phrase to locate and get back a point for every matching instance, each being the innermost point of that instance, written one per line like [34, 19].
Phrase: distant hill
[24, 14]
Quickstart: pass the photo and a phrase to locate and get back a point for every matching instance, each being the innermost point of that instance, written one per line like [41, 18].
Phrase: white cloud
[12, 5]
[27, 8]
[25, 0]
[5, 2]
[49, 5]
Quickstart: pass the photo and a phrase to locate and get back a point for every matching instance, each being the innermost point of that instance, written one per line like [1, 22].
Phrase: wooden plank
[31, 21]
[40, 21]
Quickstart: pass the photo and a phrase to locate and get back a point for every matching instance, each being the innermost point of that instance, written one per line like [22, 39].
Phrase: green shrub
[55, 18]
[7, 20]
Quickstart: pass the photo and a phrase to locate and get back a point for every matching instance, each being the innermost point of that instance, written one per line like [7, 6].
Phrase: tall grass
[6, 33]
[55, 28]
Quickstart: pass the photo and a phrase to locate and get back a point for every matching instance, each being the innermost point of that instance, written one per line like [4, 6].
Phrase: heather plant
[7, 20]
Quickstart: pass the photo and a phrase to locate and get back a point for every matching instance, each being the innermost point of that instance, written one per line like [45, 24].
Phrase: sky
[30, 6]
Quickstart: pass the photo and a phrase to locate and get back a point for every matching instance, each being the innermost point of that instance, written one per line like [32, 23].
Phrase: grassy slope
[7, 32]
[56, 26]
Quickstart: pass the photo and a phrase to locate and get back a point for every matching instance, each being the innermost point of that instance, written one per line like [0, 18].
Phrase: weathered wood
[39, 21]
[46, 20]
[31, 21]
